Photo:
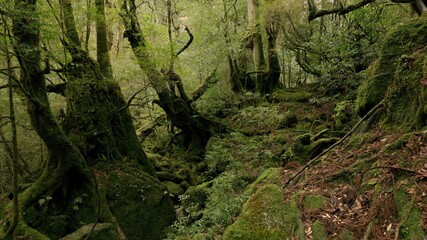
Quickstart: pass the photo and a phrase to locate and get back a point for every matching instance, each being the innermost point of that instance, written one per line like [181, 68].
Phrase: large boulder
[140, 203]
[264, 216]
[399, 76]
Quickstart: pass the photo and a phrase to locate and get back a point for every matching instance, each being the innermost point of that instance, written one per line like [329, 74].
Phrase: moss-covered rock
[174, 188]
[289, 120]
[343, 114]
[140, 203]
[314, 202]
[397, 76]
[264, 216]
[291, 95]
[409, 215]
[319, 232]
[269, 176]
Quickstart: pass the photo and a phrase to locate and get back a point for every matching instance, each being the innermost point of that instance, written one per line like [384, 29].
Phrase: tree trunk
[196, 129]
[63, 157]
[98, 119]
[273, 74]
[102, 44]
[257, 45]
[67, 193]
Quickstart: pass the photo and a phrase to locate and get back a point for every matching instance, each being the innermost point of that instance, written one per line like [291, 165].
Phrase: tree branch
[209, 81]
[314, 13]
[188, 43]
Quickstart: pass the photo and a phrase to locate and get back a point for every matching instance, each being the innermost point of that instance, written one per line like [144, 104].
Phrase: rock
[264, 216]
[140, 203]
[173, 188]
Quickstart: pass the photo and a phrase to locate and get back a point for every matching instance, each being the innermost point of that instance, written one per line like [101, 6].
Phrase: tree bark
[102, 45]
[273, 73]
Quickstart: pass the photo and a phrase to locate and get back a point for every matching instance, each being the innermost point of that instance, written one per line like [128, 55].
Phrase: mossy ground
[337, 198]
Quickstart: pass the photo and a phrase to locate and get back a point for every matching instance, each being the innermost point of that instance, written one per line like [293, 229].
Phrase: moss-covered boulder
[264, 216]
[269, 176]
[398, 76]
[140, 203]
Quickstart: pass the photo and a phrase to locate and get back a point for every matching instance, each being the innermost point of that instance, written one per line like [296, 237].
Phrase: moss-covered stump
[140, 203]
[101, 231]
[398, 76]
[264, 216]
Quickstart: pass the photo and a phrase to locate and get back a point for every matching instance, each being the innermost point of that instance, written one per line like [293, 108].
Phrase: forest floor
[372, 186]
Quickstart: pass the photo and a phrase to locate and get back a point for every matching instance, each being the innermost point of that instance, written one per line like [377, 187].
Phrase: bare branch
[314, 13]
[188, 43]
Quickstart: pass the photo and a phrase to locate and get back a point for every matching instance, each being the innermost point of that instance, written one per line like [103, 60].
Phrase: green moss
[269, 176]
[398, 144]
[287, 95]
[410, 215]
[319, 232]
[264, 216]
[396, 75]
[140, 203]
[22, 231]
[314, 202]
[195, 198]
[345, 235]
[289, 120]
[173, 188]
[372, 89]
[343, 113]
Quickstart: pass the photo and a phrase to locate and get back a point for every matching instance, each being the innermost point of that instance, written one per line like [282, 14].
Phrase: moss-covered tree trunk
[273, 71]
[65, 166]
[98, 119]
[73, 190]
[196, 129]
[256, 45]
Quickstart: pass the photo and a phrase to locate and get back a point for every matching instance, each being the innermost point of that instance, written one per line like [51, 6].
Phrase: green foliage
[210, 209]
[335, 49]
